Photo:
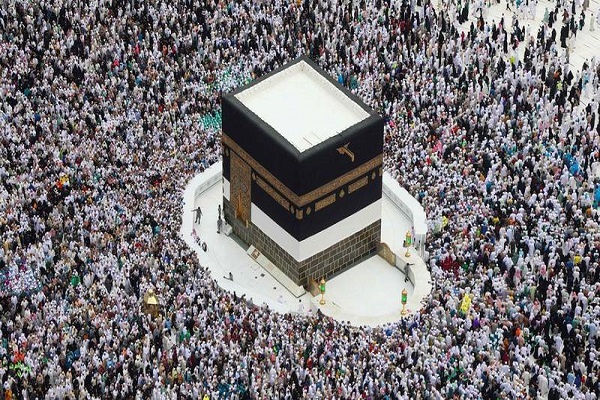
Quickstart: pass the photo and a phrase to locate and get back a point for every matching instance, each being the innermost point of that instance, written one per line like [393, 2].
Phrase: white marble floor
[367, 294]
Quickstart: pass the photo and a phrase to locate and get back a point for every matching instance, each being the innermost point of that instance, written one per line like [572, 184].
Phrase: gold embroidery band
[311, 196]
[353, 187]
[321, 204]
[271, 192]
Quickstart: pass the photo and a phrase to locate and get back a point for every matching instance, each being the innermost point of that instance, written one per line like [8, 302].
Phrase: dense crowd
[109, 107]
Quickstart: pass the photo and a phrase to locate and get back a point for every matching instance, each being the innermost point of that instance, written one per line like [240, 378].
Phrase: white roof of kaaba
[302, 105]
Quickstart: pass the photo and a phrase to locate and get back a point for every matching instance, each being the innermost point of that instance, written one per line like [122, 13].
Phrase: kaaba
[302, 171]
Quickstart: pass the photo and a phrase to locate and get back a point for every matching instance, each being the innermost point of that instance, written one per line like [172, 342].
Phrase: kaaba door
[240, 187]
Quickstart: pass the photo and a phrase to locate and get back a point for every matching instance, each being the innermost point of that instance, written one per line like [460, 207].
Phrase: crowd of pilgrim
[108, 108]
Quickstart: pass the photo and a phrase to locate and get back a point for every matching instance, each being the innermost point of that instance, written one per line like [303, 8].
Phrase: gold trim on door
[240, 187]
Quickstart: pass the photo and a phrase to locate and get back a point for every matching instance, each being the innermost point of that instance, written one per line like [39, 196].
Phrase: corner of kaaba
[302, 171]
